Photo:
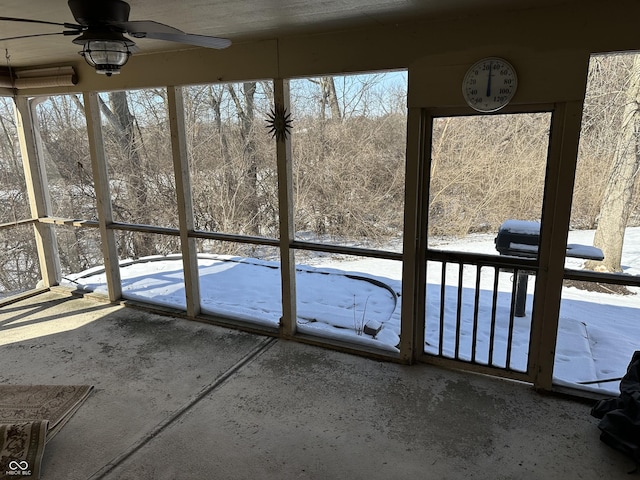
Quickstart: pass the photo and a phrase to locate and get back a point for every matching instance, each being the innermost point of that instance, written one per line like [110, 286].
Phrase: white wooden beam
[39, 200]
[185, 205]
[103, 195]
[556, 215]
[415, 240]
[288, 322]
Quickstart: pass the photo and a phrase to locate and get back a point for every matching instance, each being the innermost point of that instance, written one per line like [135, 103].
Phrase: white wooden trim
[414, 245]
[39, 200]
[103, 195]
[288, 322]
[183, 194]
[556, 215]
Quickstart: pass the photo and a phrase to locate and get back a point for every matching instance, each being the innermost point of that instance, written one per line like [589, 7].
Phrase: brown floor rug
[22, 446]
[30, 416]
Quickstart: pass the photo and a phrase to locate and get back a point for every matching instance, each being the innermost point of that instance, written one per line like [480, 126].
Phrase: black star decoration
[279, 123]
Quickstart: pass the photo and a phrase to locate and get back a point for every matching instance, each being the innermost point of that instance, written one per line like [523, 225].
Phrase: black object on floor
[620, 416]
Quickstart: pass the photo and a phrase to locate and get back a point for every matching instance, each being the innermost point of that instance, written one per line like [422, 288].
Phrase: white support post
[414, 262]
[103, 195]
[556, 215]
[185, 206]
[39, 201]
[288, 322]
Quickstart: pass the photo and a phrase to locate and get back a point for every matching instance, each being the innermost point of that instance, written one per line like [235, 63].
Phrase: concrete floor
[176, 399]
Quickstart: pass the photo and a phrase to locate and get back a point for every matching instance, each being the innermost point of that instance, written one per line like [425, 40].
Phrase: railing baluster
[443, 288]
[476, 308]
[459, 311]
[494, 308]
[512, 312]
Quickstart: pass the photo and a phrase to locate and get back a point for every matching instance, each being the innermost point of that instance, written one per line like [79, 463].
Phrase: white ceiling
[238, 20]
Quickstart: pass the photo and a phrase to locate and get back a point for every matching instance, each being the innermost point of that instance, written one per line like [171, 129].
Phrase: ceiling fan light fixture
[106, 56]
[106, 50]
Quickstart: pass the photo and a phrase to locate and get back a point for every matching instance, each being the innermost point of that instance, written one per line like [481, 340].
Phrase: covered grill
[520, 238]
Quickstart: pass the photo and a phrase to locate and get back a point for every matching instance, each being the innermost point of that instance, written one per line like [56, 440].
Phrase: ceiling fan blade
[144, 27]
[160, 31]
[191, 39]
[37, 35]
[43, 22]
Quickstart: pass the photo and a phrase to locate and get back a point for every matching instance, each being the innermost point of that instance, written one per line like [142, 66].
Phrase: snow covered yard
[336, 298]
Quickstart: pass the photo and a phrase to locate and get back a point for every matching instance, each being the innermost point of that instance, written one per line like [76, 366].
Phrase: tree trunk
[330, 97]
[215, 101]
[618, 194]
[246, 112]
[248, 120]
[123, 122]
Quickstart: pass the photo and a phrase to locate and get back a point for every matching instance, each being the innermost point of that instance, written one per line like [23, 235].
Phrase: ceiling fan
[101, 29]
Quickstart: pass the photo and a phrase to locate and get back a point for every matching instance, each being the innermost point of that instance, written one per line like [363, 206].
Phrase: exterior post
[288, 322]
[185, 205]
[556, 215]
[103, 195]
[39, 200]
[414, 248]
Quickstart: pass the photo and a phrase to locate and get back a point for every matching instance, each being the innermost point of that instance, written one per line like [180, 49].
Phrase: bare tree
[232, 158]
[246, 113]
[348, 174]
[123, 123]
[328, 97]
[485, 170]
[14, 205]
[619, 191]
[18, 258]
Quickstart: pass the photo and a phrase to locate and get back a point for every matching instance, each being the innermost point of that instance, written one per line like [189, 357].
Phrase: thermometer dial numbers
[489, 84]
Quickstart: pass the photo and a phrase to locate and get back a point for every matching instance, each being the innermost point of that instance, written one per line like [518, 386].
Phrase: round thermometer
[489, 84]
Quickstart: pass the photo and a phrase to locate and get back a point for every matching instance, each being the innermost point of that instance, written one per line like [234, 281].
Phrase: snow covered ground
[337, 297]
